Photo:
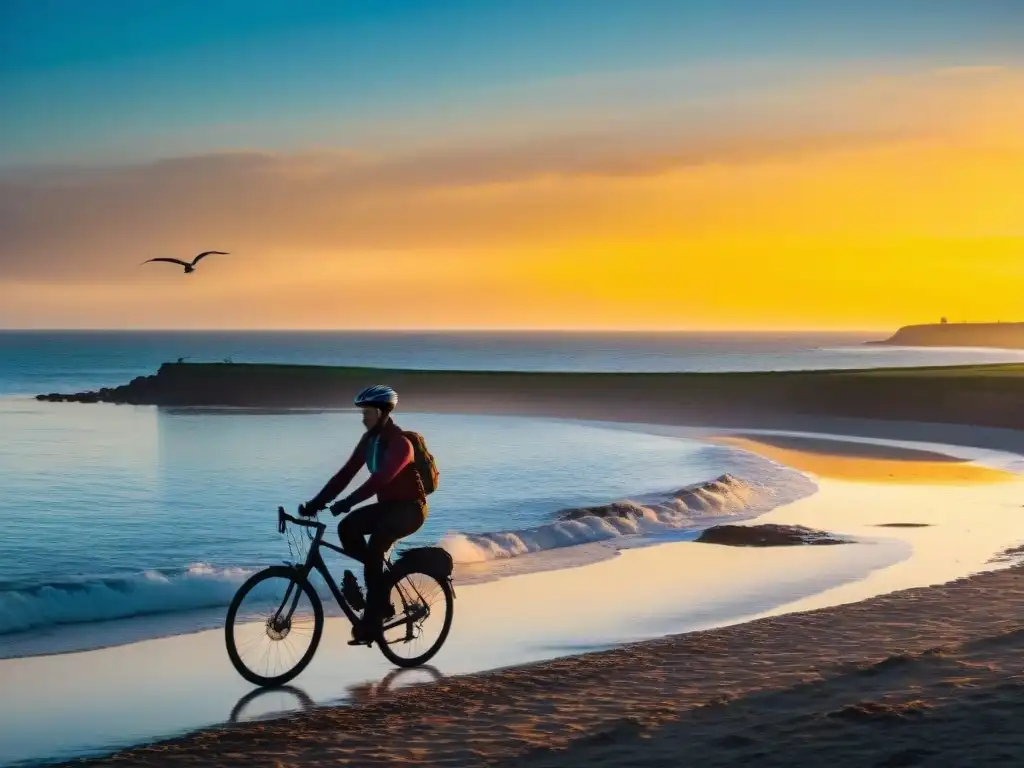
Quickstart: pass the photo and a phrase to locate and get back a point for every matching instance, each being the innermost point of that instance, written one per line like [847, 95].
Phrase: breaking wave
[147, 593]
[692, 508]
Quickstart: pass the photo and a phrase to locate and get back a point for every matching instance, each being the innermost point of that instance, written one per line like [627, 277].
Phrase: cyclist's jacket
[388, 455]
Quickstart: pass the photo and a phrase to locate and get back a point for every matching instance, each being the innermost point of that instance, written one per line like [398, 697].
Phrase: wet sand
[927, 676]
[931, 676]
[843, 460]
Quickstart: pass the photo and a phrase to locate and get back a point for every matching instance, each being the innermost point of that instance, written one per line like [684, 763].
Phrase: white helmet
[378, 396]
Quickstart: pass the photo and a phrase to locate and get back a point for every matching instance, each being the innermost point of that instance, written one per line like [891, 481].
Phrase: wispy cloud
[972, 69]
[66, 223]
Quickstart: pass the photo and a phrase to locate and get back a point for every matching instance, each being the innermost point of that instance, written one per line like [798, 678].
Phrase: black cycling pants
[385, 523]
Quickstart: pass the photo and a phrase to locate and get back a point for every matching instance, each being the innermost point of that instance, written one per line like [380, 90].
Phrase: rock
[767, 535]
[625, 509]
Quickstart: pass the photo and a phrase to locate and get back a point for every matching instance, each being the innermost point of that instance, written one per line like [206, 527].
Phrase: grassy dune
[993, 335]
[977, 395]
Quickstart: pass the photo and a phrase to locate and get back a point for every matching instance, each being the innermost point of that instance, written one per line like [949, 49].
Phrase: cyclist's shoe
[360, 634]
[351, 591]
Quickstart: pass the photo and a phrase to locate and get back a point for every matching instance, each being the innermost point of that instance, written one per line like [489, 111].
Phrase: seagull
[188, 267]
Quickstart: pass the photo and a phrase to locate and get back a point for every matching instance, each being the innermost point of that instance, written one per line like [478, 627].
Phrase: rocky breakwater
[142, 390]
[228, 384]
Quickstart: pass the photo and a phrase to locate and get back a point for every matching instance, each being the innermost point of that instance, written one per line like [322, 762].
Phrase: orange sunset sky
[777, 189]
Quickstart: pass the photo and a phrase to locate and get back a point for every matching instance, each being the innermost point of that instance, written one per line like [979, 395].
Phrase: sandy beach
[904, 665]
[923, 677]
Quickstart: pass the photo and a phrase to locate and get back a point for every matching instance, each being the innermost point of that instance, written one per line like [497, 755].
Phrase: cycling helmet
[378, 396]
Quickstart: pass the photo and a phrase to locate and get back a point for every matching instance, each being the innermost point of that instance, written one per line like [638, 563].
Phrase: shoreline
[251, 740]
[142, 590]
[596, 533]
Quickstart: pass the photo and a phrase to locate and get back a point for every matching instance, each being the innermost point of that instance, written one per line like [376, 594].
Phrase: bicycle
[407, 608]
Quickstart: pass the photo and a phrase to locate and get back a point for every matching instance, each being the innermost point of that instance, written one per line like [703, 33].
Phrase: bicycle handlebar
[283, 518]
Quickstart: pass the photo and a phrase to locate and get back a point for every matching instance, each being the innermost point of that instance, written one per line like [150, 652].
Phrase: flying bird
[189, 267]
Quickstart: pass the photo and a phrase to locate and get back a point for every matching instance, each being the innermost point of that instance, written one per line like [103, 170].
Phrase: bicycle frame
[315, 561]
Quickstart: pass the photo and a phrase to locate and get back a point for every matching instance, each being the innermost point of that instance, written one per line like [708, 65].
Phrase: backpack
[423, 460]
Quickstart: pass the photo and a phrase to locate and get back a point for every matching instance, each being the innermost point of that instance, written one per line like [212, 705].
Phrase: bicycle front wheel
[273, 626]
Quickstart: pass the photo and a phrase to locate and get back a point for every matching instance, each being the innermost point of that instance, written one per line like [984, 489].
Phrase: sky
[545, 165]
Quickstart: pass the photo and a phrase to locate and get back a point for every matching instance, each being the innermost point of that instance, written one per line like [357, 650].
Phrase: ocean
[32, 362]
[117, 514]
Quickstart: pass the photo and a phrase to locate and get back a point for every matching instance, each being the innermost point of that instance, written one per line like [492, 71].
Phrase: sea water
[110, 513]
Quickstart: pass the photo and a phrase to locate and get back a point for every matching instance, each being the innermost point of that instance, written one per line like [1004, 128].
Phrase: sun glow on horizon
[905, 208]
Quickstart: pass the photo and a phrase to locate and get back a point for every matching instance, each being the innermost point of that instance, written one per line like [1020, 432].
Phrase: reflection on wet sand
[394, 681]
[866, 462]
[269, 703]
[295, 699]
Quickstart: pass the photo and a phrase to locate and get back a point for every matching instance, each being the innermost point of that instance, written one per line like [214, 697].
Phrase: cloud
[972, 69]
[62, 224]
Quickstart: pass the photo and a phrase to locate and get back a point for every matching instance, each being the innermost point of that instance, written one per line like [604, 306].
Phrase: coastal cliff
[994, 335]
[985, 395]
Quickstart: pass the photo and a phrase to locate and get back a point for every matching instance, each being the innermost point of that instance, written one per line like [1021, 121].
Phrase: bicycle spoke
[279, 629]
[420, 606]
[242, 650]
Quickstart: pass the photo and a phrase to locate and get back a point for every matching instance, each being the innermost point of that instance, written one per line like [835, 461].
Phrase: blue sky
[99, 80]
[480, 153]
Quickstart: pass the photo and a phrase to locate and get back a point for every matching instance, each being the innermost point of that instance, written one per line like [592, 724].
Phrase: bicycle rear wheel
[273, 626]
[424, 606]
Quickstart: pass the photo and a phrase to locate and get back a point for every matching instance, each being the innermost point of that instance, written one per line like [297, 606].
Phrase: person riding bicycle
[400, 510]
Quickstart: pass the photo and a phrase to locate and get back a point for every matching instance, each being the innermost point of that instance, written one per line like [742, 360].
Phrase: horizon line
[450, 330]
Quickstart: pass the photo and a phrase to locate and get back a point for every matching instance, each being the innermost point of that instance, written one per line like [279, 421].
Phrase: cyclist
[400, 510]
